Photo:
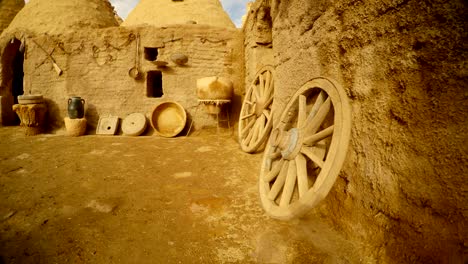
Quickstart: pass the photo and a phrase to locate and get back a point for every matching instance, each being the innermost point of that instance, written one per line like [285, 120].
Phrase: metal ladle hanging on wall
[135, 72]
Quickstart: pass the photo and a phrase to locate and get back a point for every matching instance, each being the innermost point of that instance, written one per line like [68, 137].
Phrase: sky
[235, 8]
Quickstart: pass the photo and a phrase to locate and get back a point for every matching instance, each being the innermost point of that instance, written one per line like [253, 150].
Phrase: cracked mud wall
[96, 64]
[402, 192]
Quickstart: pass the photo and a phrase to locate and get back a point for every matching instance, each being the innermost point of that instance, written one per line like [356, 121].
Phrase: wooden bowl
[168, 119]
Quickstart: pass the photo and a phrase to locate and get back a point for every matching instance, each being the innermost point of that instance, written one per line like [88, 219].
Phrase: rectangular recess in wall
[151, 54]
[154, 85]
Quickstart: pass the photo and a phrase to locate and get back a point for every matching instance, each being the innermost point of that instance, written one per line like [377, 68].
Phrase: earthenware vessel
[76, 107]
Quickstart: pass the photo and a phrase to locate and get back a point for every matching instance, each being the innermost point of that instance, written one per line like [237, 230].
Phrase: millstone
[134, 124]
[30, 99]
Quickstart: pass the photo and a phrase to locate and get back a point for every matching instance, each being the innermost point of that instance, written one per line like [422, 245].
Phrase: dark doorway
[154, 86]
[12, 82]
[18, 75]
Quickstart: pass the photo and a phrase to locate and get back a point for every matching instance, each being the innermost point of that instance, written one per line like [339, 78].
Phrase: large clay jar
[76, 107]
[212, 91]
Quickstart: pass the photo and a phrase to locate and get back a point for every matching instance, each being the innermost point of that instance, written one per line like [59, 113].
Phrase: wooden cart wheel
[255, 120]
[306, 151]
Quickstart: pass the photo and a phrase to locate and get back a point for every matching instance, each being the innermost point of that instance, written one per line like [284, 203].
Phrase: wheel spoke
[267, 83]
[268, 102]
[274, 171]
[318, 103]
[266, 114]
[249, 125]
[248, 97]
[247, 140]
[275, 155]
[302, 114]
[289, 184]
[311, 140]
[256, 92]
[247, 116]
[276, 188]
[261, 85]
[311, 155]
[302, 180]
[262, 125]
[313, 124]
[256, 130]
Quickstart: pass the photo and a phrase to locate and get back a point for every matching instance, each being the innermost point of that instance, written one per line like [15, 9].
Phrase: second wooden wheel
[305, 153]
[255, 120]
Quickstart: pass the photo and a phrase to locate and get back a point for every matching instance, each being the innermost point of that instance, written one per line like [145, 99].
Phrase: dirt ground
[96, 199]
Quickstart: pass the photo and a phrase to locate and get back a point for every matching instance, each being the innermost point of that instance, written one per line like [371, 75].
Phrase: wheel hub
[259, 106]
[289, 142]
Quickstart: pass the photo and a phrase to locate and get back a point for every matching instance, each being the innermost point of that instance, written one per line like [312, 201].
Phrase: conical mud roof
[8, 10]
[56, 17]
[166, 12]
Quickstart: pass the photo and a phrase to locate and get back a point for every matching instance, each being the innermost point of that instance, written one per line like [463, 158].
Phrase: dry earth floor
[96, 199]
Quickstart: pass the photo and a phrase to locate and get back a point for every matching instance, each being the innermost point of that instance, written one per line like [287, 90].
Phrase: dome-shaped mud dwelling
[166, 12]
[8, 10]
[54, 17]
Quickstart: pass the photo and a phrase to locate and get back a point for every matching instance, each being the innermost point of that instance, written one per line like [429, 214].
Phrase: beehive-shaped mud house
[159, 13]
[8, 10]
[98, 58]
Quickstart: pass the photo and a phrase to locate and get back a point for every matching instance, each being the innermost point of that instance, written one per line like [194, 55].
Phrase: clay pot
[214, 88]
[76, 107]
[213, 92]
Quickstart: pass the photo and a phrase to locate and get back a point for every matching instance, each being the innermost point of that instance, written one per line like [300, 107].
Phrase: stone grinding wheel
[134, 124]
[305, 153]
[255, 120]
[30, 99]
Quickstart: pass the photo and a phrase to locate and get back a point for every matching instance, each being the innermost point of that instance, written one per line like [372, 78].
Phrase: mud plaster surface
[207, 12]
[403, 184]
[97, 199]
[55, 17]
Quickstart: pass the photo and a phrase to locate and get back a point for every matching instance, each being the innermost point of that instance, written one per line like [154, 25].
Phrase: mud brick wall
[96, 66]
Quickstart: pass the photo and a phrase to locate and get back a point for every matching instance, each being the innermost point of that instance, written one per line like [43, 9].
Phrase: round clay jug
[76, 107]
